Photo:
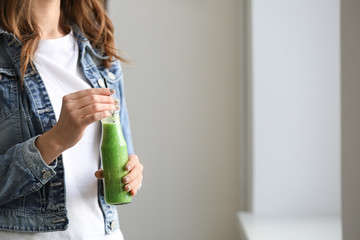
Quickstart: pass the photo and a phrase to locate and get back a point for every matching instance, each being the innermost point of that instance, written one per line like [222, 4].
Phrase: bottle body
[114, 157]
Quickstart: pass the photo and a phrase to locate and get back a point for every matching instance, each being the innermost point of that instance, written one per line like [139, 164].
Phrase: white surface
[296, 111]
[272, 227]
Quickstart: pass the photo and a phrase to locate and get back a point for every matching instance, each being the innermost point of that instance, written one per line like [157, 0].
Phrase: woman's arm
[78, 110]
[22, 171]
[24, 168]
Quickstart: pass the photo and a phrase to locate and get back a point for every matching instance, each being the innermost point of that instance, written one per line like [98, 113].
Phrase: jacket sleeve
[22, 171]
[125, 127]
[124, 117]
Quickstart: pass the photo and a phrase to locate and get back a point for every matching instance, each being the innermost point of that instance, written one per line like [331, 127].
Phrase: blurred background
[244, 114]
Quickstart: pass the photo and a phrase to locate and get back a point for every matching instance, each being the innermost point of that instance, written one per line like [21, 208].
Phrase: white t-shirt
[57, 62]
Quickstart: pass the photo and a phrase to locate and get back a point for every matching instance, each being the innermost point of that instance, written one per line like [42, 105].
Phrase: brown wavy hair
[89, 15]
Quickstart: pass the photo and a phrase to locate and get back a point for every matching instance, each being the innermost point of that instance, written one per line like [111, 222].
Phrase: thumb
[99, 174]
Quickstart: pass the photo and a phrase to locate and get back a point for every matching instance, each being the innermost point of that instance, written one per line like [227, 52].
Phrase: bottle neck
[111, 131]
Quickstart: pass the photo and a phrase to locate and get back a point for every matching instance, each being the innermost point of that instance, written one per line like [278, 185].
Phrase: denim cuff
[36, 163]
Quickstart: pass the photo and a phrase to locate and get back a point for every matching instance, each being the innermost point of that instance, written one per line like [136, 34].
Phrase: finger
[135, 177]
[90, 91]
[96, 108]
[132, 161]
[134, 173]
[99, 174]
[92, 99]
[89, 119]
[135, 191]
[133, 186]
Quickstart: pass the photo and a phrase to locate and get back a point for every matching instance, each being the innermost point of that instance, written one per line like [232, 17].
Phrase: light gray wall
[182, 97]
[350, 74]
[296, 106]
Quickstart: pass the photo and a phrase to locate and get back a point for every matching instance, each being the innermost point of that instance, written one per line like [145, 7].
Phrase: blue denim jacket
[32, 193]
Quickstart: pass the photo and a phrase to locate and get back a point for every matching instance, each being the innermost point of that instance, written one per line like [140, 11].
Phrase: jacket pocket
[9, 109]
[8, 93]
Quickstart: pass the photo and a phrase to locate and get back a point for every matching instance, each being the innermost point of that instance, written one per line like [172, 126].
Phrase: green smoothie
[114, 157]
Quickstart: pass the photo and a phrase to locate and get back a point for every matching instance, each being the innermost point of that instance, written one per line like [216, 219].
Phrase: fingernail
[117, 107]
[111, 112]
[127, 179]
[128, 167]
[116, 100]
[112, 90]
[128, 188]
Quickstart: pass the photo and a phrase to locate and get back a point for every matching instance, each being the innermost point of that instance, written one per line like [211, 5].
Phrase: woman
[55, 58]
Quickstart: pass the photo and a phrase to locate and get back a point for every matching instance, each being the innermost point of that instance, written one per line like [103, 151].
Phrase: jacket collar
[84, 43]
[2, 31]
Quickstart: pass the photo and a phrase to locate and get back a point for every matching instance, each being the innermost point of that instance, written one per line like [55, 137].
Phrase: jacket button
[111, 75]
[46, 174]
[101, 82]
[113, 225]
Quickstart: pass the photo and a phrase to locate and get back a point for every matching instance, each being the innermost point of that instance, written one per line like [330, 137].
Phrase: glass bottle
[114, 157]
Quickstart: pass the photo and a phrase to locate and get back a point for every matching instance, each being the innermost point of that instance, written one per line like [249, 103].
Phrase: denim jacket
[32, 193]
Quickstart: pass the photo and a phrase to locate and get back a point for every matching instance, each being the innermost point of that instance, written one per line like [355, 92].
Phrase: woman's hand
[78, 110]
[134, 178]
